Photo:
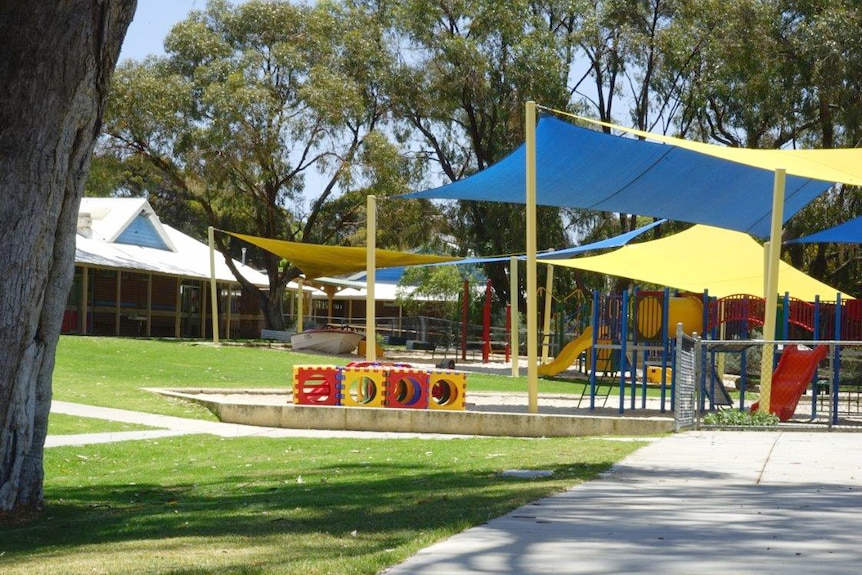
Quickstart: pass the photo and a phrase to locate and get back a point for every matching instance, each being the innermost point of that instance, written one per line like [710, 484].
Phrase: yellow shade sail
[703, 258]
[317, 260]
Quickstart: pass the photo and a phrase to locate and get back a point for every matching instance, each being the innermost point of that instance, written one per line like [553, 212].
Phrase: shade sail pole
[370, 269]
[546, 322]
[532, 296]
[771, 295]
[300, 292]
[513, 308]
[213, 288]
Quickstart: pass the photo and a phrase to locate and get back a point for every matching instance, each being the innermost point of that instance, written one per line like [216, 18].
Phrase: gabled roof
[124, 220]
[118, 233]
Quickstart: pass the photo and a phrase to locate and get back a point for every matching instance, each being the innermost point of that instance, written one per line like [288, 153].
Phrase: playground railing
[809, 382]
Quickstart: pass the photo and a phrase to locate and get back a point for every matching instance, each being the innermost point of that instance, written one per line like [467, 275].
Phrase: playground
[629, 351]
[703, 344]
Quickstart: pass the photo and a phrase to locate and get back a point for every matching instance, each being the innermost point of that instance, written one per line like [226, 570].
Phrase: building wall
[148, 306]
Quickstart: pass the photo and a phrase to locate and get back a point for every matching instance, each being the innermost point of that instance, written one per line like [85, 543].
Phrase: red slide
[791, 378]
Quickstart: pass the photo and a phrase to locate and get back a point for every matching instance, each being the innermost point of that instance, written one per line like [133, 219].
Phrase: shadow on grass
[379, 506]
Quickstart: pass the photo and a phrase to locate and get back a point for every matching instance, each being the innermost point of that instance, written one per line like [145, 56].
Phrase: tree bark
[57, 60]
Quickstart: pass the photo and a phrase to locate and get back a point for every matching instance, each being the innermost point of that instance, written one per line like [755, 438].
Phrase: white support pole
[513, 307]
[532, 296]
[549, 292]
[213, 287]
[370, 269]
[300, 305]
[771, 292]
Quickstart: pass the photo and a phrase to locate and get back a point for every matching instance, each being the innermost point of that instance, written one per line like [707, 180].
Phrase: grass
[114, 372]
[198, 504]
[201, 504]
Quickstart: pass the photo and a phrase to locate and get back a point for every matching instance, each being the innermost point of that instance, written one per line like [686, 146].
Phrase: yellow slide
[568, 354]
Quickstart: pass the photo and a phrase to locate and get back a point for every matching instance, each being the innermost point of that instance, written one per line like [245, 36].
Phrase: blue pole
[666, 330]
[816, 338]
[593, 351]
[836, 360]
[624, 334]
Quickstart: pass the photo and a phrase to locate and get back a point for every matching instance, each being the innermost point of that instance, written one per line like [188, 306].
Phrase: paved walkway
[696, 502]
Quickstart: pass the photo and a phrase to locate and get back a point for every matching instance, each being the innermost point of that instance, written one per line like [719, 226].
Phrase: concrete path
[172, 426]
[697, 502]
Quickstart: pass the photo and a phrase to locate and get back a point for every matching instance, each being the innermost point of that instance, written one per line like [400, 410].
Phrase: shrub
[736, 417]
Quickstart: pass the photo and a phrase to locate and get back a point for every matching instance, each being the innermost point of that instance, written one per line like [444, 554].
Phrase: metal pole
[771, 295]
[513, 297]
[213, 287]
[546, 325]
[532, 303]
[370, 269]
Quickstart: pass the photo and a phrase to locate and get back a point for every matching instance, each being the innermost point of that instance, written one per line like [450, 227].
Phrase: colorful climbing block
[362, 386]
[315, 385]
[406, 388]
[447, 389]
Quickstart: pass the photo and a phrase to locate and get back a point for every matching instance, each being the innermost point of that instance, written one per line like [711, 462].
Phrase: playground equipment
[687, 310]
[376, 384]
[791, 378]
[569, 354]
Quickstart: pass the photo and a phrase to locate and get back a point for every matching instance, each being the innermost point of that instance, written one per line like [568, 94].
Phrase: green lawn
[114, 372]
[202, 504]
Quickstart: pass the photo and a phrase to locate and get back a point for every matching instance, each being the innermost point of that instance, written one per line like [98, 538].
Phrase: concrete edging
[386, 419]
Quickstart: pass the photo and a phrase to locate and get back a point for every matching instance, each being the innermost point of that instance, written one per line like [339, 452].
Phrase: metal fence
[809, 382]
[685, 390]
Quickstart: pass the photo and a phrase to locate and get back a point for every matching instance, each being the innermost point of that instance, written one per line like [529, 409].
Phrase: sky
[152, 22]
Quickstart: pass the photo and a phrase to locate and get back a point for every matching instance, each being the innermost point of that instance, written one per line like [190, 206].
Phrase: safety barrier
[373, 384]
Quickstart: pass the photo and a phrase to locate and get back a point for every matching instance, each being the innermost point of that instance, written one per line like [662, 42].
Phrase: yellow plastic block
[362, 387]
[653, 374]
[447, 390]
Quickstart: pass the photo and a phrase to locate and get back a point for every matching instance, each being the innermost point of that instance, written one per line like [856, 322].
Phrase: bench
[276, 335]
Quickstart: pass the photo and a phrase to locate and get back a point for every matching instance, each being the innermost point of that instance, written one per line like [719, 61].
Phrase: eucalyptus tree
[464, 71]
[827, 43]
[260, 114]
[57, 62]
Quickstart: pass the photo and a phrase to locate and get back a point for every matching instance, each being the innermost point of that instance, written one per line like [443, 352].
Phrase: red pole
[486, 324]
[465, 316]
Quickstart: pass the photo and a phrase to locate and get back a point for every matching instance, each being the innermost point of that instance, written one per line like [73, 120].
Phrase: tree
[57, 62]
[251, 102]
[464, 71]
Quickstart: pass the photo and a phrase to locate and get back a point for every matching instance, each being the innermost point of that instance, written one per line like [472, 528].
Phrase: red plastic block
[315, 385]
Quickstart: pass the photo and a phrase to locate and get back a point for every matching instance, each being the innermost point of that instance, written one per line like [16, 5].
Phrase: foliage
[253, 100]
[257, 103]
[737, 418]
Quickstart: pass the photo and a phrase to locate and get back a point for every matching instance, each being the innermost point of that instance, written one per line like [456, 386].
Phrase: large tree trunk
[57, 59]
